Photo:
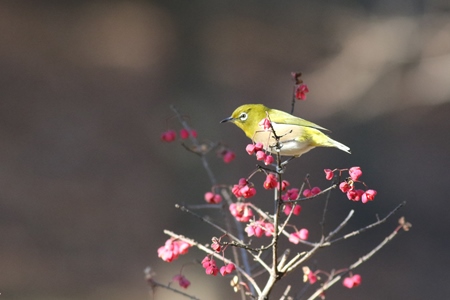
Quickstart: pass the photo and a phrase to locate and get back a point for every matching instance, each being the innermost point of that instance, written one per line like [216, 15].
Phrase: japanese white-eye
[296, 136]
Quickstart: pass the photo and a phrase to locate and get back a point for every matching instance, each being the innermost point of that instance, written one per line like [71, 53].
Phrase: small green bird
[297, 136]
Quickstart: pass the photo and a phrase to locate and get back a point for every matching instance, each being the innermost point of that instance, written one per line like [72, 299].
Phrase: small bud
[296, 76]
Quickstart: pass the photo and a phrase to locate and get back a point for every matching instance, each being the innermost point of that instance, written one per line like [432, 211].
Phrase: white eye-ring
[243, 116]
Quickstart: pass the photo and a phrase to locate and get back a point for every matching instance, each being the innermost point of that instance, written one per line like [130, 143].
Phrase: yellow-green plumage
[297, 136]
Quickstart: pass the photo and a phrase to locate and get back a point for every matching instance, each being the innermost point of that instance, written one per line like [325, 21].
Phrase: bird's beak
[227, 120]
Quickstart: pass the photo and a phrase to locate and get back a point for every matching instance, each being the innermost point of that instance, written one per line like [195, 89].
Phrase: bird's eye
[243, 116]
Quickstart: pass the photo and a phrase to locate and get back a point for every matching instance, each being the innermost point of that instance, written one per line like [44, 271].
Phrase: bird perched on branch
[281, 131]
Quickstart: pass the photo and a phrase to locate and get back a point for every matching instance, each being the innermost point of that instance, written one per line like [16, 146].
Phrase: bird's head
[247, 117]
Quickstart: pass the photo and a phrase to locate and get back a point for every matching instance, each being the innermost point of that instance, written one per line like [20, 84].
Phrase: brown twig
[361, 260]
[149, 277]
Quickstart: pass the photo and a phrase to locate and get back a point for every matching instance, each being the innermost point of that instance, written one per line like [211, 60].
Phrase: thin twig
[286, 293]
[195, 142]
[322, 222]
[153, 283]
[343, 223]
[356, 232]
[299, 259]
[361, 260]
[229, 234]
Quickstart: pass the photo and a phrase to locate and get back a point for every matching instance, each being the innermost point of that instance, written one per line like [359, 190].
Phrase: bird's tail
[336, 144]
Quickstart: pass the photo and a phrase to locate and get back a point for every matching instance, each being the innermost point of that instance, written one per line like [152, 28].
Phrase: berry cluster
[213, 198]
[171, 135]
[348, 185]
[241, 211]
[298, 236]
[172, 249]
[209, 264]
[258, 228]
[352, 281]
[271, 182]
[243, 189]
[261, 155]
[182, 281]
[300, 89]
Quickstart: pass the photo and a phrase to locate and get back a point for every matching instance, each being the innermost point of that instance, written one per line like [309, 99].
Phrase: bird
[296, 136]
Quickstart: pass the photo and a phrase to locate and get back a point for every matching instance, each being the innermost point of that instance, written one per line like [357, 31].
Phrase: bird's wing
[285, 118]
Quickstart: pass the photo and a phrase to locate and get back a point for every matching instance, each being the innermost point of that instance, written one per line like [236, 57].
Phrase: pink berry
[184, 134]
[368, 195]
[250, 149]
[315, 190]
[270, 182]
[303, 234]
[345, 186]
[229, 156]
[355, 173]
[168, 136]
[265, 124]
[259, 147]
[328, 174]
[300, 91]
[268, 160]
[260, 155]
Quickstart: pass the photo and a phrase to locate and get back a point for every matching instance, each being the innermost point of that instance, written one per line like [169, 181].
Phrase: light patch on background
[125, 34]
[369, 51]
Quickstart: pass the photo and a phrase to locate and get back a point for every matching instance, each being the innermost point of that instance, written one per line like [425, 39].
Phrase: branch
[368, 226]
[361, 260]
[194, 141]
[185, 209]
[152, 283]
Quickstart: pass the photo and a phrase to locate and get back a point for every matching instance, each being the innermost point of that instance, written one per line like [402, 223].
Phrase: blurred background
[87, 187]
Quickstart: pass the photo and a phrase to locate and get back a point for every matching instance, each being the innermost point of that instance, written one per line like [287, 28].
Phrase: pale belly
[292, 148]
[289, 146]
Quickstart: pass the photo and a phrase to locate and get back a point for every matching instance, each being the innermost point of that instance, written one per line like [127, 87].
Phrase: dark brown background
[86, 186]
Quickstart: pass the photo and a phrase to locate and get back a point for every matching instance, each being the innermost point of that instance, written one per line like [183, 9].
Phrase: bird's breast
[292, 141]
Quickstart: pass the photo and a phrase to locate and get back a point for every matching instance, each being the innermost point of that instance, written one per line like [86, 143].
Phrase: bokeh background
[86, 185]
